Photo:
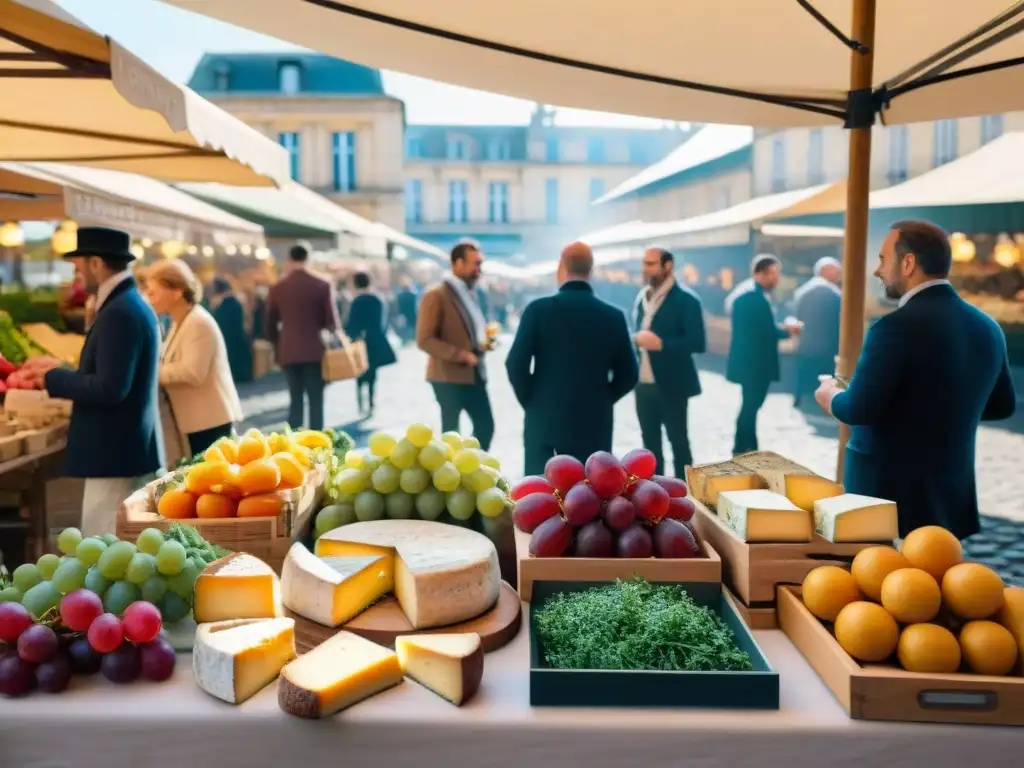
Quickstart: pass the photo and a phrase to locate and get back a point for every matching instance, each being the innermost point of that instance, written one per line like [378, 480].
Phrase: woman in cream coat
[198, 399]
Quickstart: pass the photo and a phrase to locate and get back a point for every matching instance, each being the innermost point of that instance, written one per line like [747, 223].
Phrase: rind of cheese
[451, 666]
[762, 516]
[443, 574]
[797, 483]
[851, 517]
[333, 590]
[338, 673]
[235, 660]
[706, 481]
[237, 586]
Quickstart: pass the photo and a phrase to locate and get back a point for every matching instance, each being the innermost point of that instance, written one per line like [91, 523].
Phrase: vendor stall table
[28, 474]
[98, 725]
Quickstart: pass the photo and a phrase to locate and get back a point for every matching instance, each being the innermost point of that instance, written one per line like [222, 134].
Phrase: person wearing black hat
[114, 435]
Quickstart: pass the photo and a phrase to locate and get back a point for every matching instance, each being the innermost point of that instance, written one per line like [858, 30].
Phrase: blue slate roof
[226, 73]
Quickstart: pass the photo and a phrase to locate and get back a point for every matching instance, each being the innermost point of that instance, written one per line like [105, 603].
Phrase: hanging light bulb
[245, 250]
[1006, 252]
[12, 235]
[146, 242]
[262, 253]
[138, 251]
[64, 238]
[171, 249]
[192, 250]
[963, 249]
[230, 250]
[208, 251]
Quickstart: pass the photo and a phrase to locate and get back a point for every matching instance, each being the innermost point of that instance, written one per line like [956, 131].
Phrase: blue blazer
[367, 320]
[679, 323]
[754, 344]
[929, 373]
[115, 426]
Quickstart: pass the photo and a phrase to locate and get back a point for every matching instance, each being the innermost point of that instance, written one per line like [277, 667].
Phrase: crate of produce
[39, 440]
[11, 447]
[731, 671]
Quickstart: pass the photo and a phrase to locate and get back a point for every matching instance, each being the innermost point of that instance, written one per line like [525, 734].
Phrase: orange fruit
[259, 476]
[213, 453]
[304, 455]
[972, 591]
[1012, 614]
[827, 590]
[177, 504]
[228, 481]
[932, 549]
[203, 476]
[279, 442]
[928, 648]
[911, 596]
[261, 505]
[292, 473]
[866, 631]
[212, 505]
[252, 447]
[228, 449]
[872, 565]
[988, 648]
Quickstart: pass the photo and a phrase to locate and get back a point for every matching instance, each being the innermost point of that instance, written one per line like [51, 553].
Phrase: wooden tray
[384, 621]
[676, 570]
[879, 692]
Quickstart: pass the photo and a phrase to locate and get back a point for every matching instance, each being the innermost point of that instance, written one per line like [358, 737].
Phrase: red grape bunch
[36, 656]
[605, 508]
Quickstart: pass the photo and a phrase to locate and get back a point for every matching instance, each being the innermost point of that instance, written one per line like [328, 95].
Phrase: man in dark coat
[754, 347]
[929, 373]
[670, 331]
[114, 433]
[582, 364]
[817, 303]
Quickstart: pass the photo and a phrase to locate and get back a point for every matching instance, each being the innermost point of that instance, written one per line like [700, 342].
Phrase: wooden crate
[883, 692]
[753, 571]
[531, 569]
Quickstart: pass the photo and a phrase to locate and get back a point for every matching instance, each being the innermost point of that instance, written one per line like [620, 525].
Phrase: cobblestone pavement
[808, 437]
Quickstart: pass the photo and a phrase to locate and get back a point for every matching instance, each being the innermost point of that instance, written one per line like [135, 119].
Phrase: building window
[991, 128]
[458, 149]
[551, 200]
[551, 151]
[816, 158]
[944, 142]
[290, 78]
[458, 202]
[596, 188]
[499, 149]
[498, 202]
[414, 201]
[778, 163]
[343, 156]
[898, 154]
[222, 77]
[414, 147]
[290, 141]
[595, 150]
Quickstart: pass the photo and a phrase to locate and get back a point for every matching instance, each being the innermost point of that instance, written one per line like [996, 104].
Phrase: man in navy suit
[929, 373]
[817, 305]
[571, 361]
[114, 433]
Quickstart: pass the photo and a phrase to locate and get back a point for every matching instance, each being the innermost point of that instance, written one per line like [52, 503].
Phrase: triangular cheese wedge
[234, 660]
[238, 586]
[452, 666]
[333, 590]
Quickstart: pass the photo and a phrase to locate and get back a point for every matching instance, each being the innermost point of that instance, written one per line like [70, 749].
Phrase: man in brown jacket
[451, 328]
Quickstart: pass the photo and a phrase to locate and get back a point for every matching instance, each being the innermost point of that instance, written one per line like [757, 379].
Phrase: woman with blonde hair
[198, 402]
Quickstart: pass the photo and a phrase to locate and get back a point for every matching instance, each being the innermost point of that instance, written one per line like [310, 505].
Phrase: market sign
[87, 208]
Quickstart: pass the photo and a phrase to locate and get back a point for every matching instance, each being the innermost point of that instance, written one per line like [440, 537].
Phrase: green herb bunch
[632, 625]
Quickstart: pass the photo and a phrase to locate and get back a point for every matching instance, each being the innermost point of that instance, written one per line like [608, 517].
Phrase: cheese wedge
[235, 660]
[443, 574]
[796, 483]
[333, 590]
[854, 518]
[238, 586]
[335, 675]
[764, 516]
[706, 481]
[452, 666]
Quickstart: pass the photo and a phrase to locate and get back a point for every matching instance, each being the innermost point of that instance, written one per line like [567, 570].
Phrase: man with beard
[114, 432]
[929, 373]
[670, 331]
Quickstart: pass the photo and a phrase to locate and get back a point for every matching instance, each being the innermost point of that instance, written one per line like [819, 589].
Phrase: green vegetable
[636, 625]
[195, 545]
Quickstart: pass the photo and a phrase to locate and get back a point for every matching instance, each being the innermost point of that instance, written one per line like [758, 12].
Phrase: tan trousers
[100, 503]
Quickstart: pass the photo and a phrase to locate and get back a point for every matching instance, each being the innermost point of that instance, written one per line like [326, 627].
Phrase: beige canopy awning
[68, 94]
[142, 206]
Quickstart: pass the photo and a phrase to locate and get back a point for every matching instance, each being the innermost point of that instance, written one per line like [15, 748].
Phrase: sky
[173, 40]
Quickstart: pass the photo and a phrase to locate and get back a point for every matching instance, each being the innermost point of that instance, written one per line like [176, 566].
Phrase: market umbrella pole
[858, 186]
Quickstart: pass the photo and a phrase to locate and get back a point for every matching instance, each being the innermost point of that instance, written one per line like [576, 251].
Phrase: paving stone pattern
[807, 436]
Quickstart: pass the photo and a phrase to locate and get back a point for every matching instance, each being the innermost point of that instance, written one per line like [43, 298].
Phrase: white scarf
[470, 303]
[651, 301]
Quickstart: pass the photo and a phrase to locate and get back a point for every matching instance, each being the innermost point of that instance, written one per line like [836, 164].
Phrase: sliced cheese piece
[795, 482]
[335, 675]
[452, 666]
[235, 660]
[333, 590]
[764, 516]
[706, 481]
[443, 574]
[238, 586]
[854, 518]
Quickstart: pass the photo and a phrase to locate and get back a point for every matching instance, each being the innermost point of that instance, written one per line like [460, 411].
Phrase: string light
[12, 235]
[963, 249]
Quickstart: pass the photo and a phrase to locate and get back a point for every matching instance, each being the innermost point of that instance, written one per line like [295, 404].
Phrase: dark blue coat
[115, 425]
[754, 344]
[367, 320]
[679, 323]
[929, 373]
[818, 308]
[583, 362]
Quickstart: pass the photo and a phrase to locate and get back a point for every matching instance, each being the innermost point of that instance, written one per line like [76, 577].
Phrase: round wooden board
[384, 621]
